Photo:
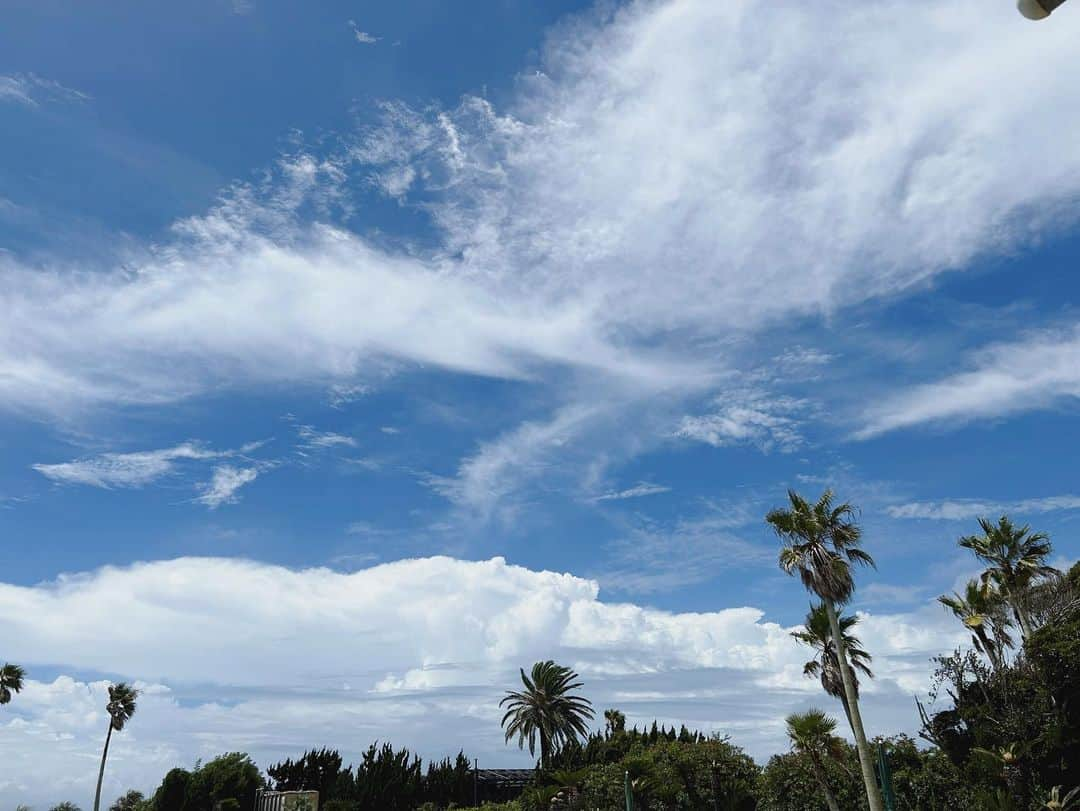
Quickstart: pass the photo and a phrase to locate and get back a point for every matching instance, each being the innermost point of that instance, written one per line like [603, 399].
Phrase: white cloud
[127, 469]
[1039, 371]
[314, 440]
[486, 481]
[827, 154]
[363, 37]
[961, 509]
[272, 660]
[767, 421]
[637, 491]
[656, 557]
[223, 487]
[30, 90]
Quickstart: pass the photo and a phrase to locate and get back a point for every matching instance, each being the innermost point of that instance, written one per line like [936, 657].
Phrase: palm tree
[817, 633]
[1056, 801]
[121, 708]
[979, 608]
[614, 721]
[546, 709]
[812, 735]
[1015, 559]
[821, 542]
[11, 682]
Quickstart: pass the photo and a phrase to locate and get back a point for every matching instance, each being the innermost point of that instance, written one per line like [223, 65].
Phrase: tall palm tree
[980, 609]
[11, 682]
[821, 542]
[1015, 558]
[817, 633]
[121, 708]
[812, 735]
[547, 709]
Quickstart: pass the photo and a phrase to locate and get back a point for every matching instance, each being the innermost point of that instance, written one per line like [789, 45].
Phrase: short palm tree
[1057, 801]
[821, 542]
[11, 682]
[121, 708]
[547, 710]
[614, 722]
[1015, 558]
[817, 633]
[980, 609]
[812, 735]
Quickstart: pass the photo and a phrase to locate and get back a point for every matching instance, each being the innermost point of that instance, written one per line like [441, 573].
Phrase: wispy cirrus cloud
[570, 235]
[758, 418]
[363, 37]
[142, 468]
[962, 509]
[312, 439]
[136, 469]
[637, 491]
[225, 484]
[31, 90]
[1038, 371]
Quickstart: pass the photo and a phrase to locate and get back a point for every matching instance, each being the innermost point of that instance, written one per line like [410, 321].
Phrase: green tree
[547, 709]
[812, 735]
[132, 801]
[821, 542]
[817, 634]
[121, 708]
[980, 609]
[11, 681]
[227, 781]
[65, 806]
[614, 722]
[315, 770]
[1015, 559]
[172, 793]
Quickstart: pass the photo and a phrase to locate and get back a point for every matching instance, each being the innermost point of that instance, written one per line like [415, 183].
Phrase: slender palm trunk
[847, 712]
[991, 649]
[866, 761]
[101, 771]
[544, 746]
[823, 781]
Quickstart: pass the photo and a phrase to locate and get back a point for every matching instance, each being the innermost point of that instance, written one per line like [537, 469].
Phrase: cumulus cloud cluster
[273, 660]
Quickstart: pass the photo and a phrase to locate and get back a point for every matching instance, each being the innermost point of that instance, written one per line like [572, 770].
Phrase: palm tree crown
[980, 609]
[1014, 557]
[817, 633]
[546, 710]
[11, 681]
[814, 733]
[121, 706]
[821, 541]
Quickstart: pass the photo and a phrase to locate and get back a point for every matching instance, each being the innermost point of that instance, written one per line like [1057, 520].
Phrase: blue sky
[328, 303]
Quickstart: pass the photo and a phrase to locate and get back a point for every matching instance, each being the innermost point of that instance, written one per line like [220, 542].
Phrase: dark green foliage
[788, 783]
[65, 806]
[449, 781]
[315, 770]
[172, 793]
[673, 775]
[132, 801]
[1017, 730]
[925, 779]
[226, 783]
